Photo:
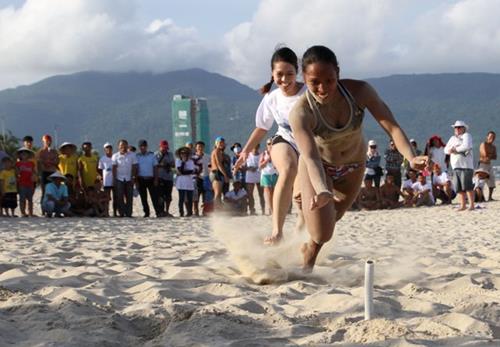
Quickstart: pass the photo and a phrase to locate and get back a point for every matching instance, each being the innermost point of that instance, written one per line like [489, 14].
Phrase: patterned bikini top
[327, 133]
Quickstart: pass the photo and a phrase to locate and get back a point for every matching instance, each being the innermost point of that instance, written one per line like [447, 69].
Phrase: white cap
[460, 123]
[413, 140]
[372, 143]
[107, 144]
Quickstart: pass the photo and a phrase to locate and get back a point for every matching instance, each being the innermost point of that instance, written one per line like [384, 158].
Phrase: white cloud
[371, 38]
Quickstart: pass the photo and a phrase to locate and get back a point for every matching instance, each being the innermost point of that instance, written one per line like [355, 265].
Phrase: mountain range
[104, 106]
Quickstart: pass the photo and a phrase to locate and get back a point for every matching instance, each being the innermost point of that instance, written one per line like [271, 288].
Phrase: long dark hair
[319, 54]
[286, 55]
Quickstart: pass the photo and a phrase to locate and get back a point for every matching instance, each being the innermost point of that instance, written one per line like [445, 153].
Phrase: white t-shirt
[184, 182]
[236, 196]
[419, 187]
[269, 169]
[106, 165]
[204, 161]
[438, 156]
[124, 164]
[440, 179]
[276, 107]
[463, 144]
[253, 162]
[407, 184]
[478, 182]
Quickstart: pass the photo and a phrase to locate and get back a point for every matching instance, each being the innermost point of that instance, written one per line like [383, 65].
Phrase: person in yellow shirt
[8, 187]
[87, 166]
[68, 159]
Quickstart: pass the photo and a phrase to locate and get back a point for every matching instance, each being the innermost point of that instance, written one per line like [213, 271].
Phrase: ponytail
[267, 87]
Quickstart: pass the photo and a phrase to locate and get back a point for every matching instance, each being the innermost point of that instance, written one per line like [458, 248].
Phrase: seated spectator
[422, 189]
[96, 204]
[407, 189]
[389, 194]
[368, 197]
[236, 200]
[56, 196]
[480, 179]
[103, 198]
[442, 188]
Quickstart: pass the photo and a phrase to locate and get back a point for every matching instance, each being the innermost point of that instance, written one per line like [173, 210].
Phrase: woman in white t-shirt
[252, 180]
[275, 107]
[435, 151]
[184, 180]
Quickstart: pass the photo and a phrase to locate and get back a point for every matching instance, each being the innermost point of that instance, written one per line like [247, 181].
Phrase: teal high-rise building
[189, 120]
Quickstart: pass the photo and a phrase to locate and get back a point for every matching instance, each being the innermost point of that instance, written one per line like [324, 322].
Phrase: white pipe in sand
[369, 269]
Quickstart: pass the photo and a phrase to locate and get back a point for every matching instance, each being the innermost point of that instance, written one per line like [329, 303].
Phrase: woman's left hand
[321, 199]
[419, 162]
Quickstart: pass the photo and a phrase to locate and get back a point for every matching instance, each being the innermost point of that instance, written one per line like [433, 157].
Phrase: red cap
[46, 137]
[164, 144]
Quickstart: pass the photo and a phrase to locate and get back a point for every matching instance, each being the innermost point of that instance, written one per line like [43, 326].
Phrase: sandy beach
[211, 282]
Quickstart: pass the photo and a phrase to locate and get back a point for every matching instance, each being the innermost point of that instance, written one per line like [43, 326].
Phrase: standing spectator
[105, 168]
[487, 153]
[26, 177]
[459, 147]
[184, 181]
[124, 174]
[28, 142]
[406, 163]
[239, 173]
[56, 196]
[219, 175]
[47, 161]
[68, 160]
[269, 175]
[147, 178]
[434, 149]
[373, 171]
[442, 188]
[87, 166]
[201, 161]
[166, 162]
[393, 161]
[252, 178]
[8, 187]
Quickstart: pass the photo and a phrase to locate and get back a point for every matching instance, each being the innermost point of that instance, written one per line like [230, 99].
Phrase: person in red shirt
[26, 177]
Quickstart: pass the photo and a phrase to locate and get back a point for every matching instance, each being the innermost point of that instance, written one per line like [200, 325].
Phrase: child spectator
[481, 178]
[268, 175]
[422, 192]
[55, 201]
[184, 181]
[442, 188]
[8, 187]
[26, 178]
[252, 179]
[390, 193]
[236, 200]
[87, 166]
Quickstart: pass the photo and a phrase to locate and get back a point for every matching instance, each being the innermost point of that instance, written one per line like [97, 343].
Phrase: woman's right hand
[321, 199]
[242, 159]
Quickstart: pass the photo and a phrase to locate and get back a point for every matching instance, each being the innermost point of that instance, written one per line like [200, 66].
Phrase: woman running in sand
[326, 122]
[275, 107]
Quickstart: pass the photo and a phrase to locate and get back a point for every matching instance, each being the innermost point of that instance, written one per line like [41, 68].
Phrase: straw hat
[481, 170]
[24, 149]
[65, 144]
[182, 150]
[57, 174]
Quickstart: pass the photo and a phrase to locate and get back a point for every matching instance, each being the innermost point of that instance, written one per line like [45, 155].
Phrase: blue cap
[219, 139]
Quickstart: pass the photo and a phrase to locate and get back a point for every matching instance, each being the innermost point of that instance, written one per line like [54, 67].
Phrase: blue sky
[40, 38]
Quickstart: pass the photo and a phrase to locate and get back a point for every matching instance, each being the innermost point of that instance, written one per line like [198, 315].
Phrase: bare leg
[320, 223]
[251, 199]
[217, 186]
[268, 195]
[461, 198]
[490, 193]
[285, 161]
[262, 200]
[470, 196]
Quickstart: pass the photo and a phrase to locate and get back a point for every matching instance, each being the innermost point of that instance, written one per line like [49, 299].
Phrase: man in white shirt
[236, 200]
[422, 192]
[105, 168]
[442, 187]
[124, 174]
[459, 147]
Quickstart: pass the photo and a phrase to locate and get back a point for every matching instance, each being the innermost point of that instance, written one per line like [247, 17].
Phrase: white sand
[193, 282]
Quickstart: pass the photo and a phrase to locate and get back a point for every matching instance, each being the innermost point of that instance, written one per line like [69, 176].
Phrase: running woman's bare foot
[309, 251]
[274, 239]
